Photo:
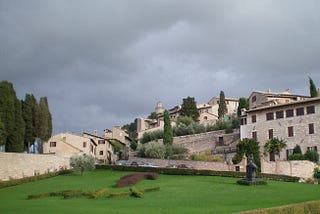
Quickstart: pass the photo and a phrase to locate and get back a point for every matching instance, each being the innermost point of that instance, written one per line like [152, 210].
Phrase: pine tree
[313, 88]
[167, 132]
[243, 103]
[222, 110]
[189, 108]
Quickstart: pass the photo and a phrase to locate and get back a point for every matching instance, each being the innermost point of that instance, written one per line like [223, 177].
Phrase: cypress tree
[2, 134]
[31, 118]
[189, 108]
[243, 103]
[45, 128]
[11, 117]
[313, 88]
[222, 110]
[167, 132]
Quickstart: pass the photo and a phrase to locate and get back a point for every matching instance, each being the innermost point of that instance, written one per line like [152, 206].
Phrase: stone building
[208, 115]
[68, 144]
[292, 118]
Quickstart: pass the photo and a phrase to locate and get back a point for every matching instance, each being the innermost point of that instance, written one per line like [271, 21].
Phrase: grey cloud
[103, 63]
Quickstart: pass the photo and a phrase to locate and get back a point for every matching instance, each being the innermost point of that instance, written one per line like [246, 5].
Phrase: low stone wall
[217, 166]
[298, 168]
[19, 165]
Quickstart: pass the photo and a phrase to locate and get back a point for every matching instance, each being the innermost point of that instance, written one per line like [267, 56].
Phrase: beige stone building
[68, 144]
[292, 118]
[208, 115]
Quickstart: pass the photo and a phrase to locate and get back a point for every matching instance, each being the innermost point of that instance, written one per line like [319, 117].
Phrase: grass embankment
[178, 194]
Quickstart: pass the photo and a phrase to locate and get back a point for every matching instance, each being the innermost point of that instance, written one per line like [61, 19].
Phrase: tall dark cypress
[167, 132]
[2, 134]
[30, 116]
[313, 88]
[45, 120]
[222, 110]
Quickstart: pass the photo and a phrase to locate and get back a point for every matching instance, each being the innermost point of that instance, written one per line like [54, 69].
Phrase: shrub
[297, 150]
[251, 183]
[151, 136]
[136, 193]
[155, 150]
[297, 156]
[158, 150]
[312, 156]
[132, 179]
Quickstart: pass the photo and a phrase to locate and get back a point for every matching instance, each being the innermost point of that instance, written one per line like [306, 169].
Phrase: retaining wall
[19, 165]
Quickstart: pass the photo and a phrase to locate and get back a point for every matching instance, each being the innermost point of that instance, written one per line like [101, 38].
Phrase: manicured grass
[177, 194]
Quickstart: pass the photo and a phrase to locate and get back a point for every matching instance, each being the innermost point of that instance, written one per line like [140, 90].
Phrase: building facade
[295, 120]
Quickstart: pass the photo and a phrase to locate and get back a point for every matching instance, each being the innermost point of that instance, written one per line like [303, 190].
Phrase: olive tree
[82, 162]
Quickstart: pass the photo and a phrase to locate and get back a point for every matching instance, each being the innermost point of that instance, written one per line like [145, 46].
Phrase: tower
[159, 108]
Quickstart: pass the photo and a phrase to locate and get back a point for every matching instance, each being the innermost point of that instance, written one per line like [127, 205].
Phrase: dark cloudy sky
[104, 63]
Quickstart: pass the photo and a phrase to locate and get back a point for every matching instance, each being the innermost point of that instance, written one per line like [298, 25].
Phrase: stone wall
[301, 168]
[19, 165]
[217, 166]
[207, 142]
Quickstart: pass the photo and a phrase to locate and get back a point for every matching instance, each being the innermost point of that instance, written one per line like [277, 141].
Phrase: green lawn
[178, 194]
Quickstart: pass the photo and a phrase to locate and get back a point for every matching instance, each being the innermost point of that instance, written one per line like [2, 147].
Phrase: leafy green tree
[274, 146]
[247, 147]
[189, 108]
[167, 129]
[222, 110]
[243, 103]
[132, 131]
[82, 162]
[185, 120]
[313, 88]
[153, 115]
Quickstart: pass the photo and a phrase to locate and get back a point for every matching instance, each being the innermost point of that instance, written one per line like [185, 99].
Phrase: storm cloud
[104, 63]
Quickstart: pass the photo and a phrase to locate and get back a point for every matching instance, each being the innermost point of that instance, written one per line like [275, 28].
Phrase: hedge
[15, 182]
[306, 207]
[178, 171]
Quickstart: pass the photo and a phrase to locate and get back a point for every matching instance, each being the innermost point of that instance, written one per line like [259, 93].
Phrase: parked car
[122, 163]
[149, 165]
[171, 166]
[137, 163]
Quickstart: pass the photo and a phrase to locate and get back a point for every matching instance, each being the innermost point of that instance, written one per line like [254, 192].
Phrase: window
[290, 131]
[279, 114]
[53, 144]
[312, 148]
[101, 152]
[221, 141]
[243, 121]
[311, 128]
[254, 99]
[270, 133]
[300, 111]
[84, 144]
[205, 118]
[289, 113]
[91, 148]
[254, 135]
[101, 142]
[289, 153]
[270, 116]
[254, 118]
[310, 110]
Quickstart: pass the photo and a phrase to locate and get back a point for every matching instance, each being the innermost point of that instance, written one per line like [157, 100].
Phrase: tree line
[22, 122]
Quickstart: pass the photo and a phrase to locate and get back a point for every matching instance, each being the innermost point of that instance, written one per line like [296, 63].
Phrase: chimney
[95, 132]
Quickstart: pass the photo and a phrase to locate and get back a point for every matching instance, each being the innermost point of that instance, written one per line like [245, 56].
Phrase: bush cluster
[251, 183]
[133, 192]
[309, 155]
[132, 179]
[159, 150]
[186, 126]
[32, 178]
[180, 171]
[66, 194]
